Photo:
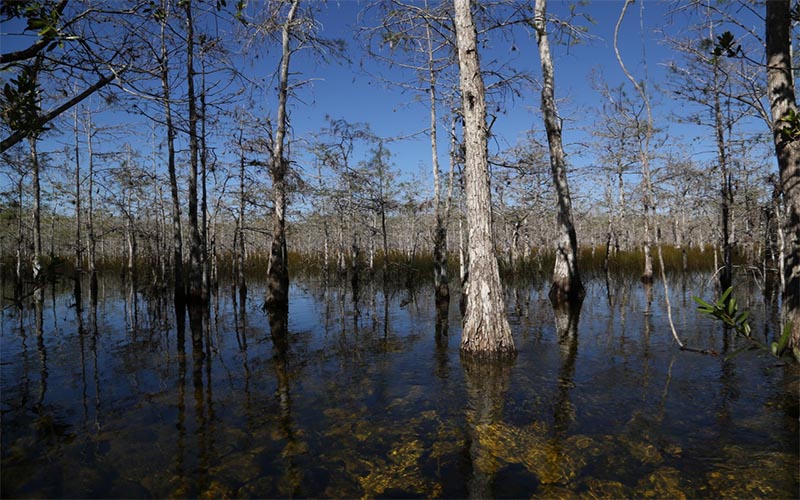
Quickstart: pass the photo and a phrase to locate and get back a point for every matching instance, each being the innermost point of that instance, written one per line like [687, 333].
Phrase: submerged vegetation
[364, 394]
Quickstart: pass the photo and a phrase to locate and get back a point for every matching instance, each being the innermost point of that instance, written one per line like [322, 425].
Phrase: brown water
[371, 399]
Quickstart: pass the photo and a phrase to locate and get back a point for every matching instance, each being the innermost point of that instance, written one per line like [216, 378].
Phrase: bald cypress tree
[486, 330]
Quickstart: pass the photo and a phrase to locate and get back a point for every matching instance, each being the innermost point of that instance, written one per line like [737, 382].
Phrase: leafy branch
[726, 309]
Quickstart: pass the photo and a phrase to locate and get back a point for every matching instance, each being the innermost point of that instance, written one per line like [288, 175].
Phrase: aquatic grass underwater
[365, 395]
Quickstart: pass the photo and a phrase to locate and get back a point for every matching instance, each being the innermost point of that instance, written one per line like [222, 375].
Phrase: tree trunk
[130, 237]
[278, 273]
[78, 244]
[486, 330]
[177, 230]
[37, 209]
[726, 201]
[203, 178]
[780, 86]
[240, 277]
[196, 290]
[440, 278]
[20, 240]
[90, 199]
[644, 156]
[567, 286]
[384, 238]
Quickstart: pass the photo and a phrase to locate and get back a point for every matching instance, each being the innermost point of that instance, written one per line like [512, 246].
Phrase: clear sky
[347, 92]
[352, 91]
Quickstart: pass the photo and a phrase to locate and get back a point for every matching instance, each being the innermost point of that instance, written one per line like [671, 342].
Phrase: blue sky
[343, 90]
[348, 93]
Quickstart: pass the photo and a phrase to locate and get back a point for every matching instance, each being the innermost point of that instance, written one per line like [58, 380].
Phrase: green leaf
[722, 300]
[742, 318]
[703, 303]
[738, 352]
[780, 346]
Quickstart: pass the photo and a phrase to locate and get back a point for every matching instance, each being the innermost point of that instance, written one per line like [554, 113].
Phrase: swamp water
[370, 398]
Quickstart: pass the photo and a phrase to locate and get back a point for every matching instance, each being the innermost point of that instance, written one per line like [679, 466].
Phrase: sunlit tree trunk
[486, 329]
[787, 149]
[278, 273]
[37, 208]
[130, 236]
[644, 157]
[567, 286]
[241, 281]
[440, 278]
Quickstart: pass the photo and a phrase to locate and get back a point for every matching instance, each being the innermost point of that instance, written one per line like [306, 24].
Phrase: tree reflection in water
[566, 319]
[487, 382]
[367, 399]
[290, 483]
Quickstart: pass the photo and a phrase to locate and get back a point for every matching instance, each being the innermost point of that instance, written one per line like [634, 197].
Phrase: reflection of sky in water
[368, 400]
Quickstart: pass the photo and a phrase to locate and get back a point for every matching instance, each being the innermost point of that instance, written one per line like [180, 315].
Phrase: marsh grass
[408, 271]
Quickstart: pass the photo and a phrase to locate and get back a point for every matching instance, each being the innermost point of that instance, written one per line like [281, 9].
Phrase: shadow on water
[360, 391]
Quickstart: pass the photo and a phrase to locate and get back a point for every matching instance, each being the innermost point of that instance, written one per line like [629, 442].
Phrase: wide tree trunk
[278, 272]
[567, 286]
[786, 123]
[486, 330]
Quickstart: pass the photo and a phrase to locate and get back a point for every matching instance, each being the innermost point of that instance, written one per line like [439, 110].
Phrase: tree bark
[20, 240]
[37, 209]
[177, 230]
[78, 244]
[567, 286]
[644, 157]
[90, 198]
[278, 273]
[486, 330]
[781, 93]
[726, 202]
[206, 276]
[440, 278]
[240, 277]
[196, 290]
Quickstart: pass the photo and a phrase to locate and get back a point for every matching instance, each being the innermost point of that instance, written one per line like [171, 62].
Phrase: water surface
[370, 398]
